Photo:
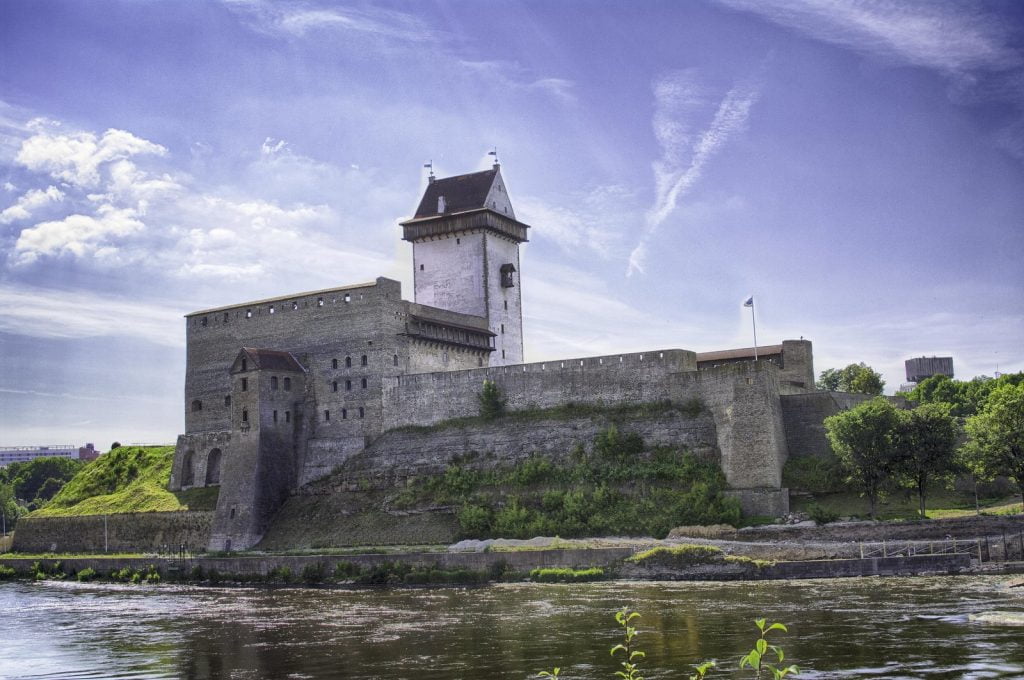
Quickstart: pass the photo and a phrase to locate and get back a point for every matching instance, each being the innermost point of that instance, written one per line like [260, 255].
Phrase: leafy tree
[9, 506]
[29, 477]
[859, 378]
[115, 445]
[49, 489]
[926, 439]
[997, 434]
[863, 440]
[491, 403]
[967, 397]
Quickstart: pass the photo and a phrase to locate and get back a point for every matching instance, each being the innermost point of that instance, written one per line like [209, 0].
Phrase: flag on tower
[749, 302]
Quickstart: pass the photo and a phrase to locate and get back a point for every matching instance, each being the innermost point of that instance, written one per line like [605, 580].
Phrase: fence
[1005, 547]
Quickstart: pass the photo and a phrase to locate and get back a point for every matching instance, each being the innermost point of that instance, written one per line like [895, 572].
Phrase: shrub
[280, 574]
[347, 570]
[87, 574]
[6, 572]
[565, 575]
[313, 573]
[491, 404]
[683, 555]
[197, 573]
[822, 515]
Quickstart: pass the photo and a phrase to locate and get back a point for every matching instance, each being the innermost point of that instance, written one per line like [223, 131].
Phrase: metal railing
[1005, 547]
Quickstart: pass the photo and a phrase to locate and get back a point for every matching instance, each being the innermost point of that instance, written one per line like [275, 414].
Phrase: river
[849, 628]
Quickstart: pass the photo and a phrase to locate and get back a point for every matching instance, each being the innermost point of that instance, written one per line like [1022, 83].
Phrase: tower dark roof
[272, 359]
[461, 193]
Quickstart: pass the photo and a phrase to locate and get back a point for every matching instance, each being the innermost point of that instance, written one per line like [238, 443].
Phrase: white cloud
[9, 187]
[950, 37]
[299, 21]
[76, 158]
[591, 220]
[44, 313]
[678, 98]
[509, 75]
[30, 201]
[78, 235]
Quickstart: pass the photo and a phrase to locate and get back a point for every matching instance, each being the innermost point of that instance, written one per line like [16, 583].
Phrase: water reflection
[857, 628]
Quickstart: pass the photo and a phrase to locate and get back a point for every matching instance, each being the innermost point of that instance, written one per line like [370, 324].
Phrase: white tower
[465, 250]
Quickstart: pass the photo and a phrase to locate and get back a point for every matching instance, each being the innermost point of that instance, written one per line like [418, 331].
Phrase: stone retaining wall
[134, 532]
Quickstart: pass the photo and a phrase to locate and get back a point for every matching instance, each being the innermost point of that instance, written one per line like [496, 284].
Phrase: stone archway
[213, 467]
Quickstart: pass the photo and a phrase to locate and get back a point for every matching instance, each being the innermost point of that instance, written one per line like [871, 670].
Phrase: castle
[280, 392]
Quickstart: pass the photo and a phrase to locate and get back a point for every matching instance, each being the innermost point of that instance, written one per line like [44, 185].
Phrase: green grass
[566, 575]
[682, 555]
[128, 479]
[941, 503]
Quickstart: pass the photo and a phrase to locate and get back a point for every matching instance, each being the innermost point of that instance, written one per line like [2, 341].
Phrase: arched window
[287, 384]
[213, 467]
[334, 363]
[363, 360]
[348, 385]
[197, 405]
[188, 474]
[334, 386]
[394, 360]
[348, 362]
[245, 416]
[361, 412]
[273, 382]
[364, 383]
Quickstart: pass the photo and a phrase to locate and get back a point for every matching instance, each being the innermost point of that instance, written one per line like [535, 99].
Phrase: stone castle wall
[135, 532]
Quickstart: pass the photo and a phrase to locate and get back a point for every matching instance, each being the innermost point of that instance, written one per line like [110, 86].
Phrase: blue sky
[858, 167]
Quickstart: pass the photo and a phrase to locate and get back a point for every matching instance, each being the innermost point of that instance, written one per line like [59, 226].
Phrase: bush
[347, 570]
[565, 575]
[280, 574]
[822, 515]
[491, 404]
[6, 572]
[87, 574]
[313, 573]
[683, 555]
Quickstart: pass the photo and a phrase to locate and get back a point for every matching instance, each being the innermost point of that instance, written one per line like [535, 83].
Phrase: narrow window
[287, 384]
[245, 365]
[503, 328]
[205, 320]
[507, 280]
[232, 516]
[394, 360]
[271, 309]
[319, 302]
[226, 317]
[275, 416]
[197, 405]
[363, 360]
[334, 386]
[364, 383]
[445, 357]
[506, 305]
[334, 363]
[344, 414]
[245, 416]
[348, 298]
[348, 385]
[421, 267]
[502, 354]
[458, 241]
[479, 361]
[248, 314]
[327, 416]
[245, 384]
[273, 382]
[361, 412]
[287, 416]
[348, 362]
[227, 400]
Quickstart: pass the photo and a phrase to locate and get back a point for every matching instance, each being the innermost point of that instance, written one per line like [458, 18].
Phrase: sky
[857, 167]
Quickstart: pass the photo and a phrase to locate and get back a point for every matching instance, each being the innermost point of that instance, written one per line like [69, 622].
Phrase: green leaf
[760, 623]
[617, 648]
[761, 646]
[636, 654]
[778, 626]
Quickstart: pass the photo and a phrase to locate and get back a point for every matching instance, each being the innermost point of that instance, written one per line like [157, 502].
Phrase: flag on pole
[749, 302]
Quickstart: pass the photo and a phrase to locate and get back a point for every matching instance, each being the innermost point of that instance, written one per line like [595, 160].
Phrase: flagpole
[754, 323]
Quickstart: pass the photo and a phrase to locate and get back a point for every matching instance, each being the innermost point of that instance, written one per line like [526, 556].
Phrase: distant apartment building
[23, 454]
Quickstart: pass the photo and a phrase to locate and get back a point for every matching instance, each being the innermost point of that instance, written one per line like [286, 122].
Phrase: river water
[848, 628]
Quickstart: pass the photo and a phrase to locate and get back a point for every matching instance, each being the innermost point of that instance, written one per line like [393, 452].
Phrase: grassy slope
[128, 479]
[940, 503]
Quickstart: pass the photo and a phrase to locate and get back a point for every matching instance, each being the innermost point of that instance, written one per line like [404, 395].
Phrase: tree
[997, 434]
[925, 441]
[859, 378]
[966, 396]
[491, 403]
[863, 441]
[28, 477]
